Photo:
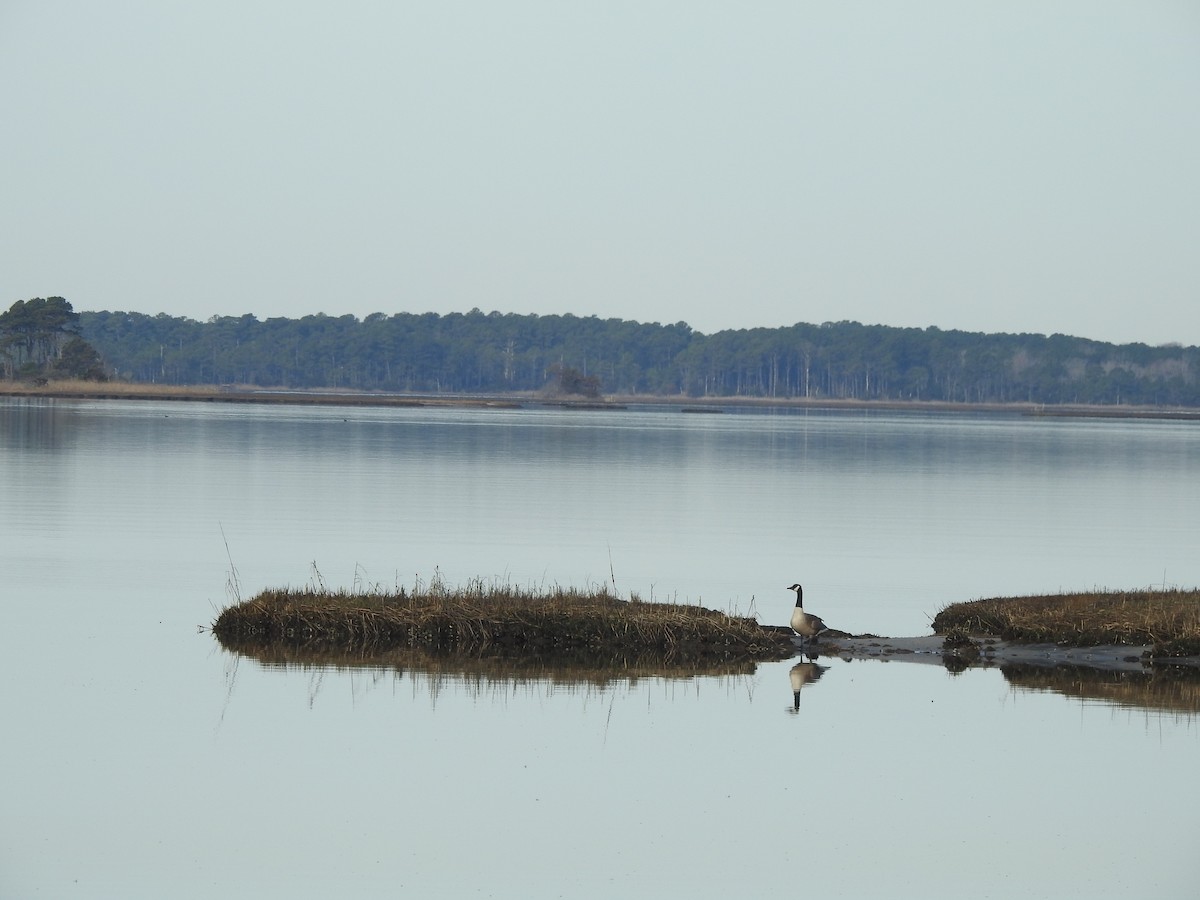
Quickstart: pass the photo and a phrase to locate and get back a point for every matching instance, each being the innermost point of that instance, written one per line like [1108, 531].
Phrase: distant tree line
[494, 352]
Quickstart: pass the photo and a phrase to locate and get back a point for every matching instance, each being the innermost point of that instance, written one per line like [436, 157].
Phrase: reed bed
[1167, 620]
[495, 620]
[69, 387]
[121, 390]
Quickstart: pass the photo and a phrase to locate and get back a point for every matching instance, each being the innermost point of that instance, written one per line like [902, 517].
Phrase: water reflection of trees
[1168, 688]
[32, 424]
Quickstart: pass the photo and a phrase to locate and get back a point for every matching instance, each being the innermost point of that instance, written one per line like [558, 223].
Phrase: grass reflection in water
[1174, 689]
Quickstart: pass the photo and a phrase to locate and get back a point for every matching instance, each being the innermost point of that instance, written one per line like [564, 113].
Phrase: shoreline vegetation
[499, 620]
[498, 352]
[117, 390]
[456, 354]
[1167, 621]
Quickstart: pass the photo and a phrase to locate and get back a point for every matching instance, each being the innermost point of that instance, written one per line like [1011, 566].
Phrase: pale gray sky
[991, 166]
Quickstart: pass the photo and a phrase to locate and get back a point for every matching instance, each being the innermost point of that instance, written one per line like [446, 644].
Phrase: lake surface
[142, 760]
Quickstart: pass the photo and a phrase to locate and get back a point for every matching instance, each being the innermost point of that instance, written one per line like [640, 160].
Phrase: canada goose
[805, 624]
[802, 674]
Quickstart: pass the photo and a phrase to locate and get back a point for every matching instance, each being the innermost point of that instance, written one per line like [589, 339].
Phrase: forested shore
[495, 353]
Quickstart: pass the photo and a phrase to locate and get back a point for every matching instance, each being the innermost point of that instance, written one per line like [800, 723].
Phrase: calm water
[143, 761]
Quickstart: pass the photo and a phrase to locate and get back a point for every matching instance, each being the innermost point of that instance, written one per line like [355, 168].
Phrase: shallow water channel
[145, 761]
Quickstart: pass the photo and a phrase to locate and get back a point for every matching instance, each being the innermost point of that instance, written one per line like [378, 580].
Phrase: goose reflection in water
[802, 674]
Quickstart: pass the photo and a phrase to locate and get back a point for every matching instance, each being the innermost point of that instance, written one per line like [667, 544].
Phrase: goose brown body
[804, 623]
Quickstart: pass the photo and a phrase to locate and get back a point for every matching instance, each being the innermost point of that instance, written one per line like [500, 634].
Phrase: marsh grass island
[1156, 626]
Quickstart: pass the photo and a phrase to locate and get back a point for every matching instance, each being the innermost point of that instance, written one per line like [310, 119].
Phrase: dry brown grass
[495, 620]
[113, 389]
[121, 390]
[1167, 619]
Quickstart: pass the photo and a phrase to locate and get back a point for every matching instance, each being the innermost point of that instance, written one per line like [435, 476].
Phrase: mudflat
[990, 652]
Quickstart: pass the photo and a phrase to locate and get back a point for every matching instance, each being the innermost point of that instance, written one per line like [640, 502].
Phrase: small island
[498, 620]
[1167, 620]
[1112, 630]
